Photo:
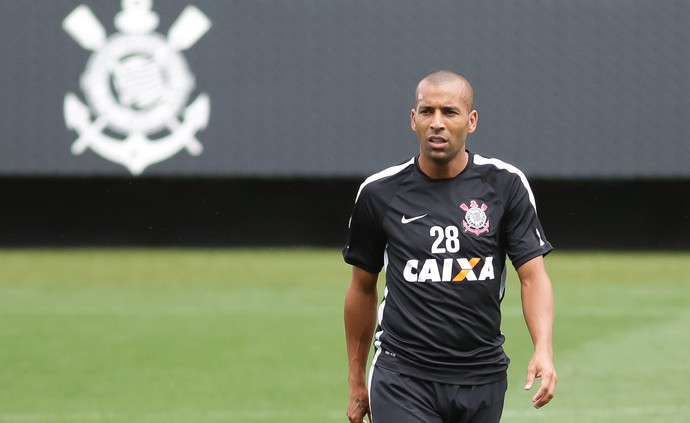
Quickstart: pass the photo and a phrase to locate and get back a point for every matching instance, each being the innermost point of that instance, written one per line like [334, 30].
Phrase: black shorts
[397, 398]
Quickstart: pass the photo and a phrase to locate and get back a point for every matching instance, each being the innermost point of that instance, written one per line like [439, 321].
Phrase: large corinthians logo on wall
[137, 86]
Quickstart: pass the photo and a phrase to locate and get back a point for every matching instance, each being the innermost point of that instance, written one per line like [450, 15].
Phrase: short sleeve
[524, 234]
[366, 239]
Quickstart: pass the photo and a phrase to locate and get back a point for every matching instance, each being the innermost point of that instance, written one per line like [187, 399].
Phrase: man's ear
[474, 118]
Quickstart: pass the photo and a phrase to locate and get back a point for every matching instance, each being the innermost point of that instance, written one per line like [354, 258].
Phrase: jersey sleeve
[366, 240]
[523, 231]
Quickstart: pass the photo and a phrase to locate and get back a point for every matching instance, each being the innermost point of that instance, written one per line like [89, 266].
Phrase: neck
[436, 170]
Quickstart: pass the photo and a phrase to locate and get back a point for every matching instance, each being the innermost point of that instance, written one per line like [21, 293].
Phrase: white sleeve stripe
[479, 160]
[382, 174]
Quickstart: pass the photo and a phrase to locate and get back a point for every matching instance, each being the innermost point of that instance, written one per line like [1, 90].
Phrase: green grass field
[257, 336]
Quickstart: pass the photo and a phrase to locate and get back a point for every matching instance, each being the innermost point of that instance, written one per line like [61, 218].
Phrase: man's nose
[437, 120]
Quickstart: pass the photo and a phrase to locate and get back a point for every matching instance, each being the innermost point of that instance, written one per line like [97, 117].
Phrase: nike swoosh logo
[406, 220]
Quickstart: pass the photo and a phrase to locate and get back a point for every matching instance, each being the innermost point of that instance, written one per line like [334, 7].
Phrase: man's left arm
[538, 309]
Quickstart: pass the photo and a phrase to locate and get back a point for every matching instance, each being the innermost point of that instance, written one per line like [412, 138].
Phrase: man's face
[442, 119]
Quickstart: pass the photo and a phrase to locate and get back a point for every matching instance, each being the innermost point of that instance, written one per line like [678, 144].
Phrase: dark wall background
[590, 98]
[576, 214]
[572, 89]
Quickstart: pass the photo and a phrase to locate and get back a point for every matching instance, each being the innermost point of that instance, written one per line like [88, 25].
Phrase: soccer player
[441, 225]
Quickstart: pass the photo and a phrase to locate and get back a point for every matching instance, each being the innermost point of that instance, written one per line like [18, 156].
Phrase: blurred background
[252, 123]
[131, 125]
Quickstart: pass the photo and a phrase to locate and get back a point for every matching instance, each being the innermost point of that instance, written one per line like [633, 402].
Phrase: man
[441, 224]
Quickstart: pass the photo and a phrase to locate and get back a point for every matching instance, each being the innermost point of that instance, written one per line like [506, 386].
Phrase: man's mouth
[437, 141]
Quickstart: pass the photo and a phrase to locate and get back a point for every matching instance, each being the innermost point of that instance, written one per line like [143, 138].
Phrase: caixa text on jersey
[449, 270]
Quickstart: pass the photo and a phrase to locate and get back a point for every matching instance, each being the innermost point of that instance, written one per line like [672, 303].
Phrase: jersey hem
[519, 261]
[361, 265]
[442, 375]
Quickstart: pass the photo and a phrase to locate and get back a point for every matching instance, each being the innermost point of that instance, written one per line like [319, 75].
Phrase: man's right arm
[360, 321]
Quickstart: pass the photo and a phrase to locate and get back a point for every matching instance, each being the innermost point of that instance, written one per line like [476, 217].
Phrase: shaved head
[445, 76]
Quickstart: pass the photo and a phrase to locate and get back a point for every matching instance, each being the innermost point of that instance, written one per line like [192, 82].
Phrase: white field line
[554, 412]
[645, 311]
[154, 311]
[551, 412]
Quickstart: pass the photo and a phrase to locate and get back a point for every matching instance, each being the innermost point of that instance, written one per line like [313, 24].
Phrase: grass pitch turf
[257, 336]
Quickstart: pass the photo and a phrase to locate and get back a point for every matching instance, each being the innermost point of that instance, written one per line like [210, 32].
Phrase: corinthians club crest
[475, 221]
[137, 85]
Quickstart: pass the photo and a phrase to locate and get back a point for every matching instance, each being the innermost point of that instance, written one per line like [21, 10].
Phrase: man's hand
[541, 366]
[360, 320]
[537, 306]
[358, 406]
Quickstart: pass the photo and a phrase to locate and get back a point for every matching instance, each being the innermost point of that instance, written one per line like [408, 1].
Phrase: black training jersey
[443, 246]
